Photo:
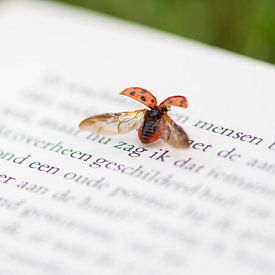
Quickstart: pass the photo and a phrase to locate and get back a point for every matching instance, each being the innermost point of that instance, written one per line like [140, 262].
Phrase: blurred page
[73, 202]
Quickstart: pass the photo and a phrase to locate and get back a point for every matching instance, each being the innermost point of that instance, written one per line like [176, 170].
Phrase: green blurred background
[243, 26]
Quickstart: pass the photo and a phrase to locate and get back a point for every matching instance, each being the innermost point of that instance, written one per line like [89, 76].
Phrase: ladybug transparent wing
[173, 134]
[141, 95]
[113, 123]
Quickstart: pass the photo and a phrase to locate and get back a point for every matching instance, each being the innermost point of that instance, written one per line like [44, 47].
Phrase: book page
[75, 202]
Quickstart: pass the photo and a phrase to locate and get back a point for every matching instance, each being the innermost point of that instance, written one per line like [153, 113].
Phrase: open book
[74, 202]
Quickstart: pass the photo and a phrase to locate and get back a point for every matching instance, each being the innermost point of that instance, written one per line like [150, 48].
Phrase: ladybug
[153, 123]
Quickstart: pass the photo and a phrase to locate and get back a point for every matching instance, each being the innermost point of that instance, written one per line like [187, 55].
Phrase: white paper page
[72, 202]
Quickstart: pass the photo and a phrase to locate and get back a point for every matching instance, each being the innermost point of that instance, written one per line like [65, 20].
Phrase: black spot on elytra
[143, 98]
[182, 102]
[143, 92]
[170, 101]
[152, 100]
[132, 93]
